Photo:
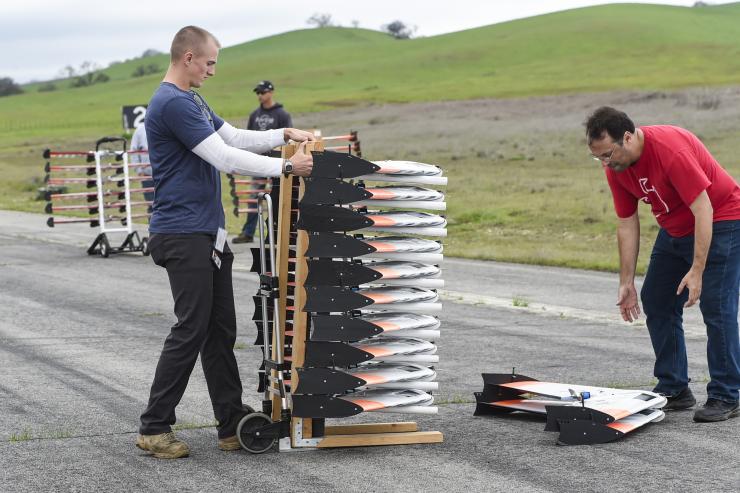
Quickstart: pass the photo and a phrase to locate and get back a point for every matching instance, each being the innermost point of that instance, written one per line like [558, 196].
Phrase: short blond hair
[190, 38]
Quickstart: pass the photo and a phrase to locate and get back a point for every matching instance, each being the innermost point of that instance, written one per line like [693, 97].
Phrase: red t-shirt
[672, 171]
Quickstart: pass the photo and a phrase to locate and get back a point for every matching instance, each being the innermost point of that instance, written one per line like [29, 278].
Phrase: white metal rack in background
[111, 202]
[133, 242]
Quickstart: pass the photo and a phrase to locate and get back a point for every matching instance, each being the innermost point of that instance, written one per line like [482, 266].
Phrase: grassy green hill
[602, 48]
[589, 49]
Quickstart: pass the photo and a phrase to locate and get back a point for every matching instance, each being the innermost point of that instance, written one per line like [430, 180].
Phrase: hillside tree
[150, 52]
[142, 70]
[398, 29]
[67, 72]
[88, 74]
[320, 20]
[8, 87]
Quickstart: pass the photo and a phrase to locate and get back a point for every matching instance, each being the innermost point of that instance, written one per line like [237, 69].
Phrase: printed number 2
[140, 112]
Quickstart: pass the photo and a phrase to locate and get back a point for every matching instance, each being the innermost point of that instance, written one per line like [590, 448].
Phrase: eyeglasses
[607, 159]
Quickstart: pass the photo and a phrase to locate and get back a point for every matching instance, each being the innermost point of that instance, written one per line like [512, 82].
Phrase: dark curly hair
[609, 120]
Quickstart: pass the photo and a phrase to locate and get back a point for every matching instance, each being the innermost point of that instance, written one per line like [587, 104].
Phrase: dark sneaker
[242, 239]
[716, 410]
[229, 444]
[163, 446]
[683, 400]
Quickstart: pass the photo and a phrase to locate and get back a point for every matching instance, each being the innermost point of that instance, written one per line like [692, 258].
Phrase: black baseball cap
[264, 86]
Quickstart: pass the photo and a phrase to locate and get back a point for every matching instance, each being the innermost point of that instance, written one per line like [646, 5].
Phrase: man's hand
[627, 302]
[703, 213]
[297, 135]
[692, 281]
[302, 160]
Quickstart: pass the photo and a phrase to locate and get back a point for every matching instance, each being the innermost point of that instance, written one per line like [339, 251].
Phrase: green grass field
[590, 49]
[604, 48]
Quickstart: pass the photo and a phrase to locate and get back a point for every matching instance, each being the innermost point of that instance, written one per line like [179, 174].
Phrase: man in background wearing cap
[268, 116]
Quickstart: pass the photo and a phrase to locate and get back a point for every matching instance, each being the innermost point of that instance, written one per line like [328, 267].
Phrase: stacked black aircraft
[364, 269]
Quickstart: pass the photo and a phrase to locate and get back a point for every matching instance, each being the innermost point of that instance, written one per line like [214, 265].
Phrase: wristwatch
[287, 167]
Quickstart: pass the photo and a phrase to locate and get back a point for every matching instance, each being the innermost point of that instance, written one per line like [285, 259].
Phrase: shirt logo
[264, 122]
[650, 199]
[203, 107]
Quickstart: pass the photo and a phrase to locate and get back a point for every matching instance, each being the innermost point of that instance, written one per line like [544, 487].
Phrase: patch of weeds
[240, 345]
[24, 436]
[153, 314]
[520, 302]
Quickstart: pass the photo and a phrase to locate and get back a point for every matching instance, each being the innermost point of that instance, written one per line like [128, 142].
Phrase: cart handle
[106, 140]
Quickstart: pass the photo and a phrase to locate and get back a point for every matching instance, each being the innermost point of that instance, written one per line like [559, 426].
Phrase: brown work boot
[163, 446]
[242, 239]
[229, 444]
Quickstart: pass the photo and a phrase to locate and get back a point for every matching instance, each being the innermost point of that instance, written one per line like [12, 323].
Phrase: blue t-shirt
[187, 189]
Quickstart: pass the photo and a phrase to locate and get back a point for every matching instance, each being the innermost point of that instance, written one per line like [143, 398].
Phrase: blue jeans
[251, 225]
[669, 262]
[148, 196]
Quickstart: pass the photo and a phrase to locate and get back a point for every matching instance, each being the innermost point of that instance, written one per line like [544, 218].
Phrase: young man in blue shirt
[188, 146]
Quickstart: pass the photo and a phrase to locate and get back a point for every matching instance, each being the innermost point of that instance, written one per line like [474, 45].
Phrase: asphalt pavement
[80, 336]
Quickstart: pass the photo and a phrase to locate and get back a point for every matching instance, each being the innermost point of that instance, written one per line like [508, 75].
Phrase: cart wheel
[144, 246]
[248, 439]
[104, 248]
[247, 408]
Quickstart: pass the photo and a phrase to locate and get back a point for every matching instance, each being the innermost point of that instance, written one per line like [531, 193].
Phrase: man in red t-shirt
[696, 256]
